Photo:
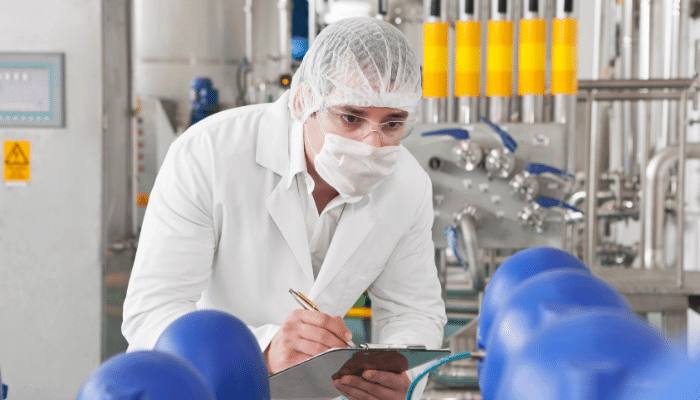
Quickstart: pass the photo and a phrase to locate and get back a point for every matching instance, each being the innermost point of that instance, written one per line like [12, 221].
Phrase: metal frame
[650, 289]
[629, 89]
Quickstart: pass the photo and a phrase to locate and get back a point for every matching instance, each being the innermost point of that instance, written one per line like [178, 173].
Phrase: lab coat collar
[272, 151]
[283, 204]
[297, 158]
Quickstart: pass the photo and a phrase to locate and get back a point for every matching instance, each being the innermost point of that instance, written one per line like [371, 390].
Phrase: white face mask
[353, 168]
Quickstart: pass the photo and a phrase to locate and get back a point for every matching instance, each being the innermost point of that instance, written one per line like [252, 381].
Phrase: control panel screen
[24, 89]
[31, 90]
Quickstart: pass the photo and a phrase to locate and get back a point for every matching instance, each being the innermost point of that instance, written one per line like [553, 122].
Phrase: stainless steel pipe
[621, 84]
[680, 207]
[312, 22]
[284, 8]
[629, 95]
[655, 197]
[467, 227]
[592, 166]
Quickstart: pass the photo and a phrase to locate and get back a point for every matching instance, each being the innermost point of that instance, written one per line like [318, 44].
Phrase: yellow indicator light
[499, 65]
[564, 57]
[467, 58]
[531, 57]
[142, 200]
[435, 59]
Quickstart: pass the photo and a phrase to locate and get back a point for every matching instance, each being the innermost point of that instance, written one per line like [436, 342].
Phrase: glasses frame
[331, 112]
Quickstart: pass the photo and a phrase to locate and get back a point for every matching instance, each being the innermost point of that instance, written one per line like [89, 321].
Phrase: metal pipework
[248, 10]
[285, 35]
[680, 206]
[435, 63]
[467, 63]
[628, 139]
[654, 208]
[531, 62]
[565, 100]
[467, 225]
[499, 62]
[247, 61]
[670, 65]
[592, 176]
[312, 22]
[592, 167]
[632, 84]
[643, 125]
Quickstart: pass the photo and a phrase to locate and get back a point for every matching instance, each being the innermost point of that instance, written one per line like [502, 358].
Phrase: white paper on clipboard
[313, 378]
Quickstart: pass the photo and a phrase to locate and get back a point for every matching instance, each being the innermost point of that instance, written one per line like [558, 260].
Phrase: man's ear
[301, 99]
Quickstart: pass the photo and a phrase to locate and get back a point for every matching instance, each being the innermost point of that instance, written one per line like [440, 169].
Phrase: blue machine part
[451, 237]
[589, 356]
[223, 350]
[300, 29]
[548, 202]
[508, 141]
[537, 168]
[513, 271]
[204, 98]
[3, 389]
[148, 375]
[536, 303]
[300, 45]
[457, 133]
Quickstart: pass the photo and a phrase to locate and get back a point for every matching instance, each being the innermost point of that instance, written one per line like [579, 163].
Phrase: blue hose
[432, 367]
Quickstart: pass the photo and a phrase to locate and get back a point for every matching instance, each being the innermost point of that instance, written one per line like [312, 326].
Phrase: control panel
[31, 90]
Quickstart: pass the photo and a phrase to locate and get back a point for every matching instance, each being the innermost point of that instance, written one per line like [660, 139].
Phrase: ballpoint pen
[309, 305]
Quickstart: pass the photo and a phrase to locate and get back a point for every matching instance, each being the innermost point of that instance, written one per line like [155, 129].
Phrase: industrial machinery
[621, 138]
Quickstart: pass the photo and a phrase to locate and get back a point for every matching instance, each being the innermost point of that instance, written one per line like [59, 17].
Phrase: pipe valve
[500, 162]
[525, 185]
[469, 154]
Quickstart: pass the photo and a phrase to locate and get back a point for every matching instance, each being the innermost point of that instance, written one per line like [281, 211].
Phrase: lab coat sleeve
[176, 248]
[407, 305]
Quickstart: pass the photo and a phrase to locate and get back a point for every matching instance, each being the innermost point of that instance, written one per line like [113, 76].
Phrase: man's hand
[304, 334]
[374, 385]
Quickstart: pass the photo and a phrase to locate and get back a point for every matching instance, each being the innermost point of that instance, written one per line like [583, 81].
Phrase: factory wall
[50, 230]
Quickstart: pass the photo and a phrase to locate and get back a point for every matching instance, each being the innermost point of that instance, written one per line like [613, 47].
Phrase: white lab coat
[223, 231]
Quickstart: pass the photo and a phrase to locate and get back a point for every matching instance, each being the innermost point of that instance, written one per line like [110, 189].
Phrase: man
[312, 193]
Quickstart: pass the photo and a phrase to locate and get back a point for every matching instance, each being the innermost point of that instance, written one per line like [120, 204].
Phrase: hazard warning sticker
[16, 162]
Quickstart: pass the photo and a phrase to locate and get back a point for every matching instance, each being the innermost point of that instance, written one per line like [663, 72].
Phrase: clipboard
[313, 378]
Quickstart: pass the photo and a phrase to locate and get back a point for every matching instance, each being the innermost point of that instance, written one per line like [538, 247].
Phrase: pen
[309, 305]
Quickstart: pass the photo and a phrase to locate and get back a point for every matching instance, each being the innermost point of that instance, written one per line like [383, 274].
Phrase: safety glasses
[355, 127]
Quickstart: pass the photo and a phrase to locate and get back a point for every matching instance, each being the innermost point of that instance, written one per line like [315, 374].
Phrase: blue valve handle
[457, 133]
[508, 142]
[451, 237]
[537, 168]
[548, 202]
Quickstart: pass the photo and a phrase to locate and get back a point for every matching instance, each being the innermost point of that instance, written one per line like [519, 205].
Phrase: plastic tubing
[435, 36]
[432, 367]
[499, 65]
[531, 57]
[564, 61]
[467, 58]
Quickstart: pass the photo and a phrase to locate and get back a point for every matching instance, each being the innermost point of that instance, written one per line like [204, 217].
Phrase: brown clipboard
[313, 378]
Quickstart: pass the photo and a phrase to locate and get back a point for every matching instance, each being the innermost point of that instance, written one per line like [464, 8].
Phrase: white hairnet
[364, 62]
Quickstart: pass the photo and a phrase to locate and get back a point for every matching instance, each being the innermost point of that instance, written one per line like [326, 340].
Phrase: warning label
[16, 162]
